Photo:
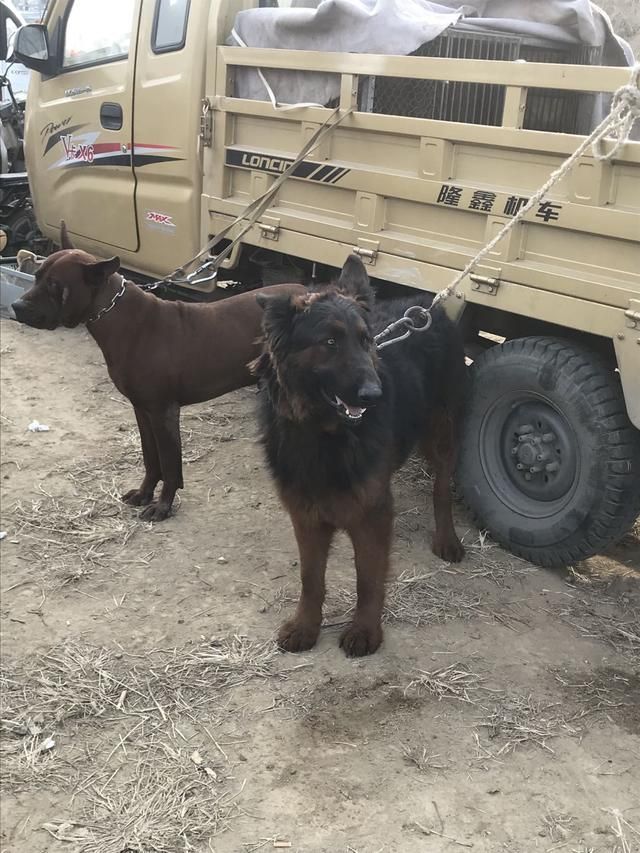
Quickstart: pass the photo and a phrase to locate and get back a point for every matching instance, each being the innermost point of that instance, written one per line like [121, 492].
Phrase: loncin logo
[267, 164]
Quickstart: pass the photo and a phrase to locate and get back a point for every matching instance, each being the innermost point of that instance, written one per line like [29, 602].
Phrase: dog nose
[369, 393]
[24, 312]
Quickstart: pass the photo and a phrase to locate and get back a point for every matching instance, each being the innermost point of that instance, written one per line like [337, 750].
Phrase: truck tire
[549, 461]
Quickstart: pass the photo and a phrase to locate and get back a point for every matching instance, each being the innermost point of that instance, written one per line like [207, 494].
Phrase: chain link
[407, 321]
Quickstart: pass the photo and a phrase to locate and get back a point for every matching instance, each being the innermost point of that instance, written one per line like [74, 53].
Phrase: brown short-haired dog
[161, 355]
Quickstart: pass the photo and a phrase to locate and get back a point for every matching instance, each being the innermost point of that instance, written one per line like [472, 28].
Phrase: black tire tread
[621, 499]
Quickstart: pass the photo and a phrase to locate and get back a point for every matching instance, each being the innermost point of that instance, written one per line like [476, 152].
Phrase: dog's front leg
[371, 540]
[152, 471]
[166, 431]
[314, 541]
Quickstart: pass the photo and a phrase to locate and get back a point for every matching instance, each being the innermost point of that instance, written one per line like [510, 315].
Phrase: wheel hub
[538, 451]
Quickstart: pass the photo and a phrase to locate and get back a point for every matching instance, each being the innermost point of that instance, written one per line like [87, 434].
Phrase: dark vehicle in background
[17, 219]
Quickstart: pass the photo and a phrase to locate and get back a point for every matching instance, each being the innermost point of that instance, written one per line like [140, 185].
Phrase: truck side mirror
[31, 48]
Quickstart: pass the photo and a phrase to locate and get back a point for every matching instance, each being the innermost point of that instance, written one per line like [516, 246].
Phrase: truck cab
[112, 129]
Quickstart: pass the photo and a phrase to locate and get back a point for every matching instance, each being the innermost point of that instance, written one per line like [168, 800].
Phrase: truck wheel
[549, 461]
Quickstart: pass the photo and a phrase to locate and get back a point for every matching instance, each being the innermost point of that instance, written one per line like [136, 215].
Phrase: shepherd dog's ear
[279, 311]
[354, 281]
[65, 242]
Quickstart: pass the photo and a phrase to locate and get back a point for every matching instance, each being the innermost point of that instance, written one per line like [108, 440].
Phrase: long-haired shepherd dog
[338, 418]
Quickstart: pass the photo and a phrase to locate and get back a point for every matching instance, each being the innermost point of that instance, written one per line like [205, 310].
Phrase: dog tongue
[352, 411]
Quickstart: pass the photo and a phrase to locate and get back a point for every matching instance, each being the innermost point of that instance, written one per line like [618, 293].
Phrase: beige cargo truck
[151, 126]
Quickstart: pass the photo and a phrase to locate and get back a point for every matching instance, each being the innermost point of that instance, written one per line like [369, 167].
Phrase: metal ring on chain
[408, 323]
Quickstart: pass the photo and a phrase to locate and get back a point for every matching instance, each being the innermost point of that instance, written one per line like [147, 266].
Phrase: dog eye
[331, 342]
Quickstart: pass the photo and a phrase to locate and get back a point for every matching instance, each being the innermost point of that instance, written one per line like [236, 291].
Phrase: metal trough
[12, 286]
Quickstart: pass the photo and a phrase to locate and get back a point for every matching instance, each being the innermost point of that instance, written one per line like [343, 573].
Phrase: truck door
[169, 88]
[84, 125]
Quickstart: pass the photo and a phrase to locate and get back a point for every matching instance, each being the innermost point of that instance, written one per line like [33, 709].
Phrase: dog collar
[112, 304]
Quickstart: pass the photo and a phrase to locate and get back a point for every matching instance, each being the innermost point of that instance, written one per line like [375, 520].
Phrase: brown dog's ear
[354, 281]
[100, 271]
[65, 242]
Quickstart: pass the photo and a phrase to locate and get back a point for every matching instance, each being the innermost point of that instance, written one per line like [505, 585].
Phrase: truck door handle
[111, 116]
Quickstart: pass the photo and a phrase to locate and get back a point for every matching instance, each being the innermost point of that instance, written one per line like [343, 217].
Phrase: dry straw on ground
[414, 598]
[619, 627]
[79, 681]
[456, 681]
[165, 791]
[423, 759]
[627, 835]
[557, 825]
[162, 804]
[66, 537]
[515, 721]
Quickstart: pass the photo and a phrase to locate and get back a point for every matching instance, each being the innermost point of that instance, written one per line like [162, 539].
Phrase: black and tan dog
[338, 418]
[161, 355]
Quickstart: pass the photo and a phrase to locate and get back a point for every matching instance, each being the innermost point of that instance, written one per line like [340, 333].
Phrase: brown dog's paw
[450, 550]
[136, 497]
[360, 640]
[155, 512]
[297, 636]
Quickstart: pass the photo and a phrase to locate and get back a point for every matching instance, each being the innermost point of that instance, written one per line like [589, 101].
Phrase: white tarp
[398, 27]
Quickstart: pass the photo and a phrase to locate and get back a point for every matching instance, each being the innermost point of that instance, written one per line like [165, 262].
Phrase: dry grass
[65, 538]
[160, 801]
[423, 759]
[168, 803]
[416, 599]
[557, 826]
[627, 835]
[619, 628]
[201, 430]
[413, 598]
[603, 692]
[79, 681]
[83, 683]
[68, 535]
[456, 681]
[516, 721]
[153, 711]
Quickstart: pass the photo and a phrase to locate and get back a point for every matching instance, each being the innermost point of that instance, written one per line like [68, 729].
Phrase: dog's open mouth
[350, 413]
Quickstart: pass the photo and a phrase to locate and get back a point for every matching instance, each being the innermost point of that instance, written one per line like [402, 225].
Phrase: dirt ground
[145, 708]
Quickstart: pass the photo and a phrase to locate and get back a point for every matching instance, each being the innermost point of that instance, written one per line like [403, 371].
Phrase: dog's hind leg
[314, 541]
[371, 540]
[143, 495]
[439, 447]
[166, 430]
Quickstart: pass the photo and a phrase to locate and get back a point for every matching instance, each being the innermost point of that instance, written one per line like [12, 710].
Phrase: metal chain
[112, 304]
[423, 315]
